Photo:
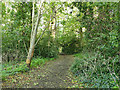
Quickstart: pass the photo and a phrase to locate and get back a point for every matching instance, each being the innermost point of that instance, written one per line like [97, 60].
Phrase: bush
[46, 48]
[93, 70]
[107, 44]
[72, 46]
[13, 46]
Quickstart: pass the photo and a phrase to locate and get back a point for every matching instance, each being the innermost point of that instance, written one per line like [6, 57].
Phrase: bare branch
[32, 19]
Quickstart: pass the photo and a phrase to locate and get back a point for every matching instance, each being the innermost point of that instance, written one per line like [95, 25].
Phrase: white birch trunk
[32, 42]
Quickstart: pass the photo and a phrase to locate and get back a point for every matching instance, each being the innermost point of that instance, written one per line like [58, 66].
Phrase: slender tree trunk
[32, 42]
[81, 36]
[55, 29]
[33, 36]
[119, 35]
[119, 27]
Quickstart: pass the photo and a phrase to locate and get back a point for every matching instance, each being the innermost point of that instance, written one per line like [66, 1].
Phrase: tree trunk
[32, 42]
[119, 27]
[81, 37]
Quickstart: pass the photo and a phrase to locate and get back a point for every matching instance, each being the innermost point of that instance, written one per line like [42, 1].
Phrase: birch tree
[33, 35]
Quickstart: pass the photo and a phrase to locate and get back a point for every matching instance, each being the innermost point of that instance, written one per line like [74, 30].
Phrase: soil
[54, 74]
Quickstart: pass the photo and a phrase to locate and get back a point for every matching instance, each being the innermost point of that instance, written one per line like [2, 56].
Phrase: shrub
[93, 70]
[46, 48]
[72, 47]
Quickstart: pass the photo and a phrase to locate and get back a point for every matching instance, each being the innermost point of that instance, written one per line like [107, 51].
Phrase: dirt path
[54, 74]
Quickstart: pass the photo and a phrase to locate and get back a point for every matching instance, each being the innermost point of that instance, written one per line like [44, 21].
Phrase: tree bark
[119, 27]
[32, 42]
[33, 36]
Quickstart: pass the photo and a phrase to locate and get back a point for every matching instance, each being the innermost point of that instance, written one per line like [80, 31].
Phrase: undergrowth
[92, 70]
[13, 68]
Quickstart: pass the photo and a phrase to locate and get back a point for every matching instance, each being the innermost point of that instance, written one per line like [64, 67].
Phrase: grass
[13, 68]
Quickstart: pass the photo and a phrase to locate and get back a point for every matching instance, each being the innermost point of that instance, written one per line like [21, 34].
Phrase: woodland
[50, 44]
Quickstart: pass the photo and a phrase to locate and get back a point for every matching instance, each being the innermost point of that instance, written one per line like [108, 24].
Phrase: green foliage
[100, 39]
[16, 30]
[12, 68]
[98, 65]
[46, 48]
[92, 70]
[38, 61]
[72, 46]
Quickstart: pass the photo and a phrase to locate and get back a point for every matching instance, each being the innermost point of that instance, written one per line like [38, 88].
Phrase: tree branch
[44, 30]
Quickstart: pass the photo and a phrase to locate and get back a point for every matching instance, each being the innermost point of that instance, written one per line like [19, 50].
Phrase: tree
[34, 33]
[33, 36]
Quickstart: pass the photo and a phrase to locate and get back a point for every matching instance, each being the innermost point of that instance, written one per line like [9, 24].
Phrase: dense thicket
[91, 29]
[101, 67]
[16, 30]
